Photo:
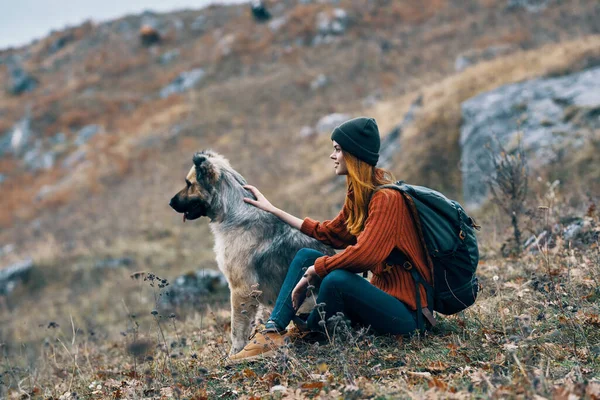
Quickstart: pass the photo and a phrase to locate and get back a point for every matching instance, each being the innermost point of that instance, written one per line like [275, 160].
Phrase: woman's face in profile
[339, 162]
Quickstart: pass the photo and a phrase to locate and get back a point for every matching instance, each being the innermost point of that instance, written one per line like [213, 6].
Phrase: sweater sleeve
[333, 233]
[375, 242]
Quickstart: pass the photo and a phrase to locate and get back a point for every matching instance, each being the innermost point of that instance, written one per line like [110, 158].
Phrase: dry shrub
[433, 139]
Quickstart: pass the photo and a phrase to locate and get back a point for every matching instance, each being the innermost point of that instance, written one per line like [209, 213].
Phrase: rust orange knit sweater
[389, 225]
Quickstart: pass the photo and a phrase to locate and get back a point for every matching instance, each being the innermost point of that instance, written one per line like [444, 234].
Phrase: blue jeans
[345, 292]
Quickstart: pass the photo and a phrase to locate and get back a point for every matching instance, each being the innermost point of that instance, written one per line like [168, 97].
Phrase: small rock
[193, 287]
[332, 22]
[178, 24]
[319, 82]
[277, 24]
[278, 389]
[36, 159]
[57, 139]
[20, 81]
[307, 131]
[6, 249]
[328, 123]
[60, 42]
[225, 44]
[124, 27]
[74, 158]
[169, 56]
[199, 24]
[575, 229]
[184, 81]
[10, 275]
[86, 133]
[18, 138]
[372, 99]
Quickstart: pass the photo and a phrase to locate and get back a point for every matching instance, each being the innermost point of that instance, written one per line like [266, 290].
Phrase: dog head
[195, 199]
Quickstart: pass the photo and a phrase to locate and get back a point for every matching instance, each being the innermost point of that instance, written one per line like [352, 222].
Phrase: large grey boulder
[547, 113]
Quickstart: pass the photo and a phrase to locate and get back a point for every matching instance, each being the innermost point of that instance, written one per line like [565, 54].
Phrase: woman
[370, 226]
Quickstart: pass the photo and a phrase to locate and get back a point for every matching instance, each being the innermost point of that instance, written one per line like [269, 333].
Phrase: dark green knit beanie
[359, 137]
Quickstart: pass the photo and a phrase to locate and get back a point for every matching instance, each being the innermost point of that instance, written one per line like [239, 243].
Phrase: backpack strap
[396, 257]
[422, 311]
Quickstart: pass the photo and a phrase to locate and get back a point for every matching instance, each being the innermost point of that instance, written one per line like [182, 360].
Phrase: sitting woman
[369, 227]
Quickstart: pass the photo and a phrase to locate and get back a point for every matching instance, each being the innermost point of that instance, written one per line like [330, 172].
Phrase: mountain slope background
[255, 98]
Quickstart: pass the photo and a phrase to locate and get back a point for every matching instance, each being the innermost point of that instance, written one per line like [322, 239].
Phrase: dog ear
[198, 159]
[205, 170]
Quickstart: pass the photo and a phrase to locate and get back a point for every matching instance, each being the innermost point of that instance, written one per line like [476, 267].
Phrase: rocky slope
[97, 125]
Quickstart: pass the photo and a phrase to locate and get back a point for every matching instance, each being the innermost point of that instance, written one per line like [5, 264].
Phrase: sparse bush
[508, 184]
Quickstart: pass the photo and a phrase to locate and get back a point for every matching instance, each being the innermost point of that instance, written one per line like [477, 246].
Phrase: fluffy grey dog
[253, 248]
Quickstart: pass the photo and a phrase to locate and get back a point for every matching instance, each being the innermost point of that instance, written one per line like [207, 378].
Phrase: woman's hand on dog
[261, 201]
[265, 205]
[299, 293]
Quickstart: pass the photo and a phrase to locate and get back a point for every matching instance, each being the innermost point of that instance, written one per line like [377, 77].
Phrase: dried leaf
[436, 366]
[312, 385]
[248, 373]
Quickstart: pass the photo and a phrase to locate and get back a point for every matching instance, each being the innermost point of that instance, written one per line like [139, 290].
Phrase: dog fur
[253, 248]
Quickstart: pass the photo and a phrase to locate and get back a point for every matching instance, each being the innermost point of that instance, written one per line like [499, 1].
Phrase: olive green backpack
[448, 234]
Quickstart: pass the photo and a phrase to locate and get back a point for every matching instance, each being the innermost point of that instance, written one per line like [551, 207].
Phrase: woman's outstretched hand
[299, 293]
[261, 201]
[264, 204]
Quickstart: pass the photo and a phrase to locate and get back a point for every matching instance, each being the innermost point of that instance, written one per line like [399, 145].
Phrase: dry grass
[533, 331]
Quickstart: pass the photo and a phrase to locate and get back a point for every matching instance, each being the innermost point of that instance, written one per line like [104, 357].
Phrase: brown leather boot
[262, 344]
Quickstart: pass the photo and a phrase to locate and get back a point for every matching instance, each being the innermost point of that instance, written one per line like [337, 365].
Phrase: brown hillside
[253, 101]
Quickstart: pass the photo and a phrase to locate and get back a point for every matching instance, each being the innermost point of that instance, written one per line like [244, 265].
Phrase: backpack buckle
[407, 265]
[461, 235]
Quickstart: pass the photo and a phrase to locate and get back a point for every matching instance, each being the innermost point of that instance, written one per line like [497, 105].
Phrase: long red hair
[362, 179]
